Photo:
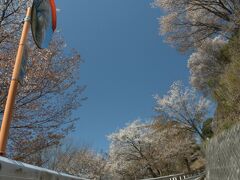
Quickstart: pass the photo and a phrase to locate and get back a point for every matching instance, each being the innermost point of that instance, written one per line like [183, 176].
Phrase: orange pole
[7, 117]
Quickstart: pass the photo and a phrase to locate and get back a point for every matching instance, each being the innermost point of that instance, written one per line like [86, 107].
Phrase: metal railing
[14, 170]
[197, 175]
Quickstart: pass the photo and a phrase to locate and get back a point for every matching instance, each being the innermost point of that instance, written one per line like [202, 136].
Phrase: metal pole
[7, 117]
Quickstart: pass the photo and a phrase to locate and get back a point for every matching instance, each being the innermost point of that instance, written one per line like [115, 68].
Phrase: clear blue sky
[126, 63]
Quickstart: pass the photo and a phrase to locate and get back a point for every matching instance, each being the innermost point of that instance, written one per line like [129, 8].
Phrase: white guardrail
[182, 176]
[14, 170]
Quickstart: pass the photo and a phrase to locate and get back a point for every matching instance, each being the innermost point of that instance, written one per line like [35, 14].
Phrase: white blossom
[139, 150]
[205, 65]
[183, 105]
[188, 23]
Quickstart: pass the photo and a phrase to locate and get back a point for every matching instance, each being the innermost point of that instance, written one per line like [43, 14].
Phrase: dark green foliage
[227, 93]
[207, 128]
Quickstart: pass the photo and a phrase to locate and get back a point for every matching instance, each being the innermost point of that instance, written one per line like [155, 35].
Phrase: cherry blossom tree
[130, 153]
[11, 17]
[141, 150]
[177, 146]
[48, 94]
[45, 99]
[188, 23]
[206, 64]
[183, 105]
[80, 160]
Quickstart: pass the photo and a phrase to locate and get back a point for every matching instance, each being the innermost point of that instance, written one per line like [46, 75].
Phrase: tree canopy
[188, 23]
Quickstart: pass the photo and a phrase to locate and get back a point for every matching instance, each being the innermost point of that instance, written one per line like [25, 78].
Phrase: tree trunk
[152, 172]
[187, 164]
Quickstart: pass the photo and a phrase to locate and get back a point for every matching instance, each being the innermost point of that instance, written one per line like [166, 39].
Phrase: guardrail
[197, 175]
[14, 170]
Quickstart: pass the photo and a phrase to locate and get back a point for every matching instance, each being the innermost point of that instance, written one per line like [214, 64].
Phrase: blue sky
[126, 63]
